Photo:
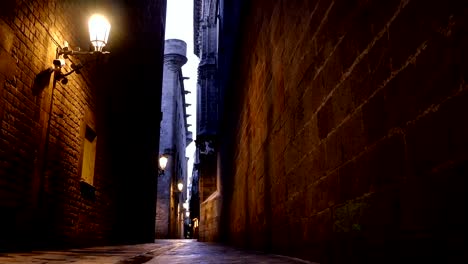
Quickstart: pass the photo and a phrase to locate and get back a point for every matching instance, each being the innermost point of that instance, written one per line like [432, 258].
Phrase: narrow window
[89, 156]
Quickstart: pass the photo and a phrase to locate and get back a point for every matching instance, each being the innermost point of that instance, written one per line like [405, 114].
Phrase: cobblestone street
[162, 251]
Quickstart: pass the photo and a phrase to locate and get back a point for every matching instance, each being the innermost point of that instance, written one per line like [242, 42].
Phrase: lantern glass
[180, 186]
[162, 162]
[99, 29]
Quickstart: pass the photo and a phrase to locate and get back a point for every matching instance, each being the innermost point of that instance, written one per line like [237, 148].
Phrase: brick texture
[41, 128]
[349, 134]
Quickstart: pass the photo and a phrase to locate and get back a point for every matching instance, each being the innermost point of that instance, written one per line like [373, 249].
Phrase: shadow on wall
[41, 81]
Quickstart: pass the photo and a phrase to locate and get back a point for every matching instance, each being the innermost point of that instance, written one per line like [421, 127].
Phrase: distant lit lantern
[162, 162]
[187, 214]
[99, 29]
[180, 185]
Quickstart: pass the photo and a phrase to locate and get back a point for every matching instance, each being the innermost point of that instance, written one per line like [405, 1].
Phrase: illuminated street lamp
[99, 29]
[162, 162]
[180, 186]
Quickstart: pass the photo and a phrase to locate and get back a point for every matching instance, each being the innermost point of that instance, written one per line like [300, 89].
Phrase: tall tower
[173, 141]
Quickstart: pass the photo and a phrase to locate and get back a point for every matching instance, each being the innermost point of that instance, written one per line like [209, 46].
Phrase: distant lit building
[174, 137]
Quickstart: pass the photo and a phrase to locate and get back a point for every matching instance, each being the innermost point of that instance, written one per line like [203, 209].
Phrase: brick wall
[349, 131]
[41, 131]
[39, 160]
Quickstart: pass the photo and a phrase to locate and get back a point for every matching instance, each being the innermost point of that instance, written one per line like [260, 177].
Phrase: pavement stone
[173, 251]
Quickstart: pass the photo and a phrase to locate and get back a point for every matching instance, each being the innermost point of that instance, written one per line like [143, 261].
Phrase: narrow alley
[173, 251]
[329, 131]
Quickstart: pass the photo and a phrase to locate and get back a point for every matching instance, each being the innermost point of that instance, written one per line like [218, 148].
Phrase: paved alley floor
[162, 251]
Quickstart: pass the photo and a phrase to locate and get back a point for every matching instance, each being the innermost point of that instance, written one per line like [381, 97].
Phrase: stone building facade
[343, 132]
[74, 168]
[206, 26]
[174, 138]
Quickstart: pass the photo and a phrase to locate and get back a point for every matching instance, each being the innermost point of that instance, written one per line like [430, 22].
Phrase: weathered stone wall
[210, 216]
[349, 135]
[206, 25]
[210, 198]
[206, 49]
[163, 203]
[173, 139]
[42, 129]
